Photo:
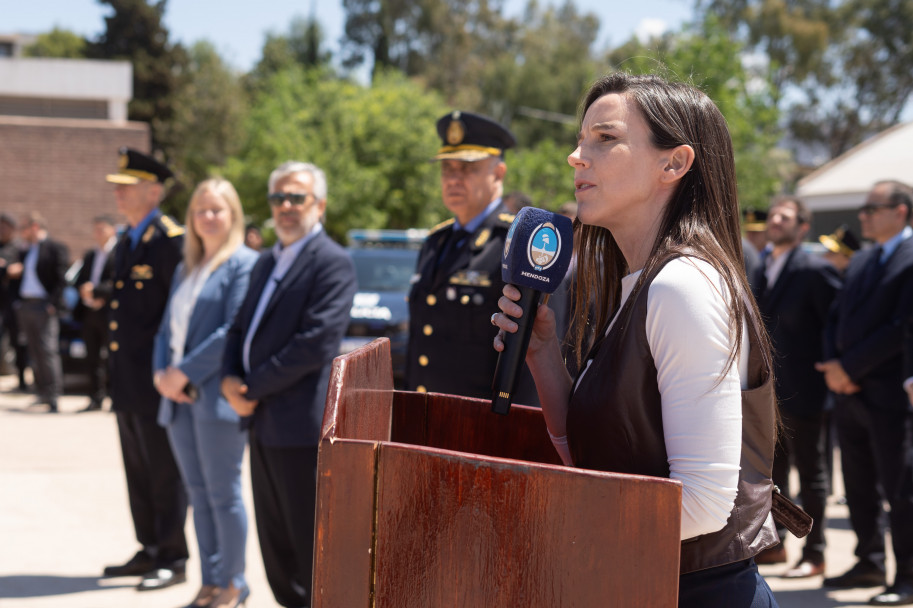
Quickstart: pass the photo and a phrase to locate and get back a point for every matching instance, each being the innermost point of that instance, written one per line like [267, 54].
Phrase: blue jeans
[209, 455]
[736, 585]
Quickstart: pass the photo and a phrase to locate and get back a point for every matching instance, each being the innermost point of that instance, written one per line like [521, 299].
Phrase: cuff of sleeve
[561, 446]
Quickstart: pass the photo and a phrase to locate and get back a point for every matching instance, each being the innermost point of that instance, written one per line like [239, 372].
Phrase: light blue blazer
[215, 309]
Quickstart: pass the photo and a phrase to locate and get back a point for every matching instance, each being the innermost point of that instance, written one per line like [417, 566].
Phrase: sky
[238, 28]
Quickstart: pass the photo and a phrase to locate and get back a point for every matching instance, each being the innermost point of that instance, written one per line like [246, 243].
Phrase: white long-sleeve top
[688, 334]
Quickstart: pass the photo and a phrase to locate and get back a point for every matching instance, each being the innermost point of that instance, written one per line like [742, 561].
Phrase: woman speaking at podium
[677, 382]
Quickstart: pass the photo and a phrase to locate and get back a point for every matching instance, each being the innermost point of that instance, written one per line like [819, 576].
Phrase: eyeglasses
[872, 208]
[276, 199]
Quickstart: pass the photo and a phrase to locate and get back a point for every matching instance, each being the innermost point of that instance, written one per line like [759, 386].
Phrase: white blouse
[182, 304]
[688, 334]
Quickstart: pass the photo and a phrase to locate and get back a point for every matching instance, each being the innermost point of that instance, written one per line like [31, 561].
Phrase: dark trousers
[736, 585]
[803, 443]
[95, 335]
[158, 501]
[284, 486]
[42, 335]
[876, 450]
[10, 327]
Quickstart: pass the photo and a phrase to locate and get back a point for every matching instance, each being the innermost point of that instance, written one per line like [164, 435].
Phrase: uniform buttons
[113, 325]
[119, 284]
[139, 284]
[431, 300]
[464, 300]
[478, 299]
[427, 330]
[113, 346]
[114, 304]
[423, 360]
[421, 389]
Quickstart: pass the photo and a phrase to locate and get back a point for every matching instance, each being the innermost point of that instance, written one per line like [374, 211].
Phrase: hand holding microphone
[536, 257]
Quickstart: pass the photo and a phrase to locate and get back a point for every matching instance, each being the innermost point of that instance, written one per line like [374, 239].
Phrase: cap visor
[467, 155]
[755, 227]
[120, 178]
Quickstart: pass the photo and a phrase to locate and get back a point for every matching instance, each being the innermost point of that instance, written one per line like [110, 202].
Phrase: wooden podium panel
[432, 500]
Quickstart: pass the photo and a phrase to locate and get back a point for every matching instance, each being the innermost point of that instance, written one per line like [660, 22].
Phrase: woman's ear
[679, 163]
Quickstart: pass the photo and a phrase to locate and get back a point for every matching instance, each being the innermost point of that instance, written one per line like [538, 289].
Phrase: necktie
[871, 273]
[451, 252]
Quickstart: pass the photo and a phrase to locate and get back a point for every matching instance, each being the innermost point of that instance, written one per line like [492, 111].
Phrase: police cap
[135, 167]
[471, 137]
[842, 240]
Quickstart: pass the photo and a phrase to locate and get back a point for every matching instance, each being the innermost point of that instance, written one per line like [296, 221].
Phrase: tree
[373, 143]
[58, 43]
[303, 45]
[847, 66]
[207, 123]
[134, 32]
[709, 59]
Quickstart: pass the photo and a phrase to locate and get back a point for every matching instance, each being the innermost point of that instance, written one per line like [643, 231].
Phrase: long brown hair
[701, 218]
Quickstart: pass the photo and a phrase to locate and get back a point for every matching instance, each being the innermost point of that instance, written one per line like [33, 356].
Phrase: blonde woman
[203, 429]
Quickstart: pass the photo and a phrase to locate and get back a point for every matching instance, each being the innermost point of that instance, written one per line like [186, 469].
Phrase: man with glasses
[276, 368]
[863, 367]
[458, 274]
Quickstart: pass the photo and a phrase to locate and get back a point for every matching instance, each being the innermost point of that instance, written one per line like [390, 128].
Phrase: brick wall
[58, 166]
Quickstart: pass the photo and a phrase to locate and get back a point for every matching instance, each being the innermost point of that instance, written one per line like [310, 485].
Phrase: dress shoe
[161, 578]
[231, 597]
[204, 597]
[772, 555]
[860, 575]
[94, 406]
[52, 407]
[805, 569]
[141, 563]
[898, 594]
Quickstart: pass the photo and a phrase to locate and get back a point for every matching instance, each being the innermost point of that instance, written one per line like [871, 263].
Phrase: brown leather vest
[615, 424]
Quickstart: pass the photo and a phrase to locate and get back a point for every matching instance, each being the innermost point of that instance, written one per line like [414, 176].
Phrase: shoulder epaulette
[172, 228]
[441, 226]
[507, 218]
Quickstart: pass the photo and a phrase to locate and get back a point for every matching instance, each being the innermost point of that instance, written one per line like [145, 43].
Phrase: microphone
[536, 256]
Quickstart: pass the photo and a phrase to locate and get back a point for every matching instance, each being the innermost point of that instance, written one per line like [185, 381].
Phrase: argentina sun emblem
[544, 247]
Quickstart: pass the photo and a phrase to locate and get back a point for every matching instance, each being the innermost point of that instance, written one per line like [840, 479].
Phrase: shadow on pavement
[46, 585]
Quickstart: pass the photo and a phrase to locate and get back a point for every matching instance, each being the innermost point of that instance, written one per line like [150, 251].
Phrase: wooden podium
[428, 500]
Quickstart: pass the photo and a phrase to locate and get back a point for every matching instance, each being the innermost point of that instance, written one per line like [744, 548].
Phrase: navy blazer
[795, 311]
[215, 309]
[51, 268]
[294, 346]
[865, 330]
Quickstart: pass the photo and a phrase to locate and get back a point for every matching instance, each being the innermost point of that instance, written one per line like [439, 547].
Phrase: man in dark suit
[95, 284]
[276, 369]
[144, 261]
[458, 274]
[794, 290]
[864, 367]
[41, 270]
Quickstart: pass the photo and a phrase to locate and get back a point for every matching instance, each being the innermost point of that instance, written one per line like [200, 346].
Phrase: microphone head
[537, 251]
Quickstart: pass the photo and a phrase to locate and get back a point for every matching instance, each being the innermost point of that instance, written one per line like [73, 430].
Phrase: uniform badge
[544, 246]
[455, 130]
[150, 232]
[483, 237]
[141, 272]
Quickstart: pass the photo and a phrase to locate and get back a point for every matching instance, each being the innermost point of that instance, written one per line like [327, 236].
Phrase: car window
[379, 270]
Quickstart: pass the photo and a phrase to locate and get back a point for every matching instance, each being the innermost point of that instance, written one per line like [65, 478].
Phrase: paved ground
[64, 516]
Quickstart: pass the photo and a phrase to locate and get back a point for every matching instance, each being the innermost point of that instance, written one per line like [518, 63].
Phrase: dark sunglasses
[870, 208]
[277, 198]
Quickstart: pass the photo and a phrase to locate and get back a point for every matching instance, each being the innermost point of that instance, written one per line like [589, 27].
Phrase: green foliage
[58, 43]
[543, 173]
[208, 121]
[303, 45]
[711, 61]
[134, 32]
[373, 143]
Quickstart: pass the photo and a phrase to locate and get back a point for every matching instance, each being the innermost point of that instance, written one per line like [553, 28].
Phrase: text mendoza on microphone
[458, 275]
[678, 381]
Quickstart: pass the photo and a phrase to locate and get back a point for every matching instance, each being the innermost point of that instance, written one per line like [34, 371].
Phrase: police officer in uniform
[144, 261]
[458, 275]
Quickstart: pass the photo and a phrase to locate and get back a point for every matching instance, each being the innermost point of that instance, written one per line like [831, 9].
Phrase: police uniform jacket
[450, 330]
[142, 282]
